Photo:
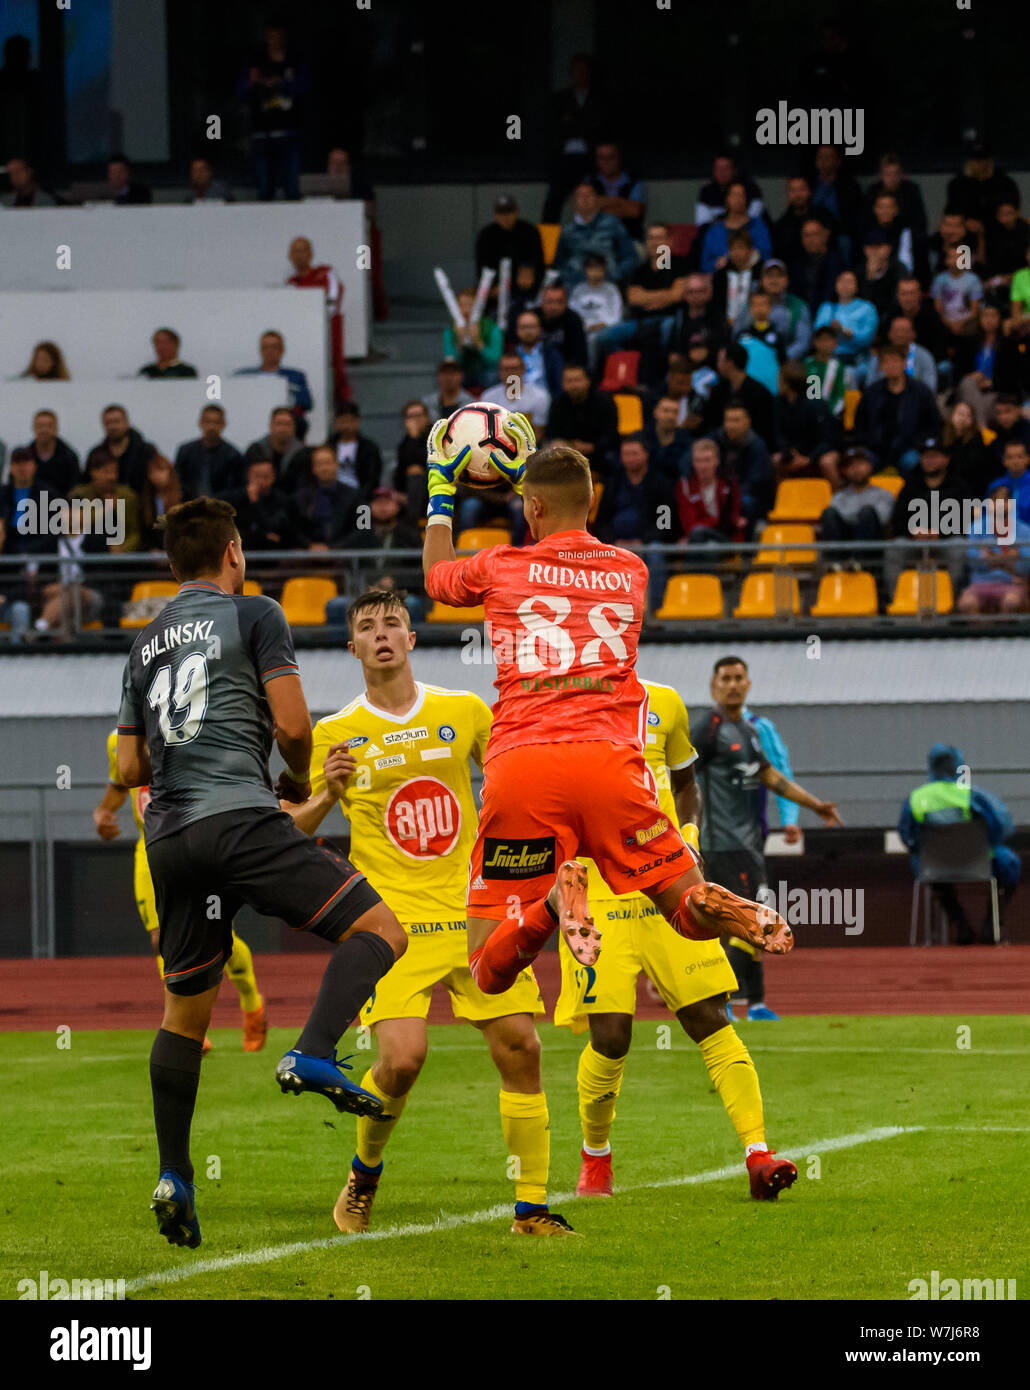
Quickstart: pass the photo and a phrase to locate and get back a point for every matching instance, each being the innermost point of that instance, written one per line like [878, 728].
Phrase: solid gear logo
[423, 818]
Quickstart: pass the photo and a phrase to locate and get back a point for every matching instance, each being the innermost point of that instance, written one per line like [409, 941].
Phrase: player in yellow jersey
[693, 978]
[397, 759]
[240, 965]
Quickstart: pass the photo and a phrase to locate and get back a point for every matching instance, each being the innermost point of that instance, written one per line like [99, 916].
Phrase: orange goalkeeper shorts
[544, 803]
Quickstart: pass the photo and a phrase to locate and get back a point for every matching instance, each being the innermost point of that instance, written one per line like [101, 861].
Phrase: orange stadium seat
[149, 588]
[787, 534]
[692, 596]
[801, 499]
[766, 594]
[631, 414]
[922, 591]
[598, 490]
[482, 538]
[893, 482]
[251, 586]
[304, 600]
[549, 234]
[851, 400]
[846, 595]
[443, 613]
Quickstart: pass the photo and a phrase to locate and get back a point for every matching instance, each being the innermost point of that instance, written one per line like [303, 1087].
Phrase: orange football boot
[756, 923]
[255, 1029]
[574, 920]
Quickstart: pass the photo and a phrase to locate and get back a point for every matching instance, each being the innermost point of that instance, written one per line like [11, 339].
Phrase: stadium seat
[304, 600]
[787, 534]
[251, 586]
[149, 588]
[443, 613]
[846, 595]
[988, 436]
[801, 499]
[621, 369]
[598, 490]
[549, 234]
[893, 482]
[692, 596]
[631, 414]
[922, 590]
[482, 538]
[851, 400]
[766, 594]
[682, 236]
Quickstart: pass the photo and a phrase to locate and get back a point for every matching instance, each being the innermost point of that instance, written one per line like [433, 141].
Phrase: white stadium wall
[105, 339]
[229, 246]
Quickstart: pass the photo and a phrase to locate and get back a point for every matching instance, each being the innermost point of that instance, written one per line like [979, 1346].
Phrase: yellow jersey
[667, 746]
[138, 796]
[412, 815]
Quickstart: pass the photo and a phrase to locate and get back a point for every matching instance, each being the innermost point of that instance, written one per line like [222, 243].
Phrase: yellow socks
[527, 1133]
[734, 1077]
[373, 1134]
[240, 969]
[599, 1080]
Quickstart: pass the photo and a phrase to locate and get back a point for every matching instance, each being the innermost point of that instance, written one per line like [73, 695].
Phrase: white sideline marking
[267, 1254]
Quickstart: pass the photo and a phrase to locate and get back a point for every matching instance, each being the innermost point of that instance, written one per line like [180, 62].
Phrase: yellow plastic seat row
[787, 534]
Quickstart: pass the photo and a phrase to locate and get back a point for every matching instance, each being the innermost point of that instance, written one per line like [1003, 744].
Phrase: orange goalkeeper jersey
[564, 618]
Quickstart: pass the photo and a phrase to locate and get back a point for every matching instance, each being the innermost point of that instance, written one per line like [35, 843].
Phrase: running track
[103, 992]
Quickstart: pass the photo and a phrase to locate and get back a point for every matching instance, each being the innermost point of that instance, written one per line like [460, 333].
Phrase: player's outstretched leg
[174, 1078]
[374, 941]
[240, 969]
[516, 942]
[735, 1079]
[702, 911]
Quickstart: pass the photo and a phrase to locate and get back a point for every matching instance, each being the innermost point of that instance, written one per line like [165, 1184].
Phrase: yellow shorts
[636, 937]
[438, 954]
[144, 887]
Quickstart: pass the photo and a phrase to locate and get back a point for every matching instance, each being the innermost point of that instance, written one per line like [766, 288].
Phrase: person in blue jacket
[947, 798]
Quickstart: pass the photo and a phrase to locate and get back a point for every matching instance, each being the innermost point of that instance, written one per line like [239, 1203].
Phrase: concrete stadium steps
[412, 343]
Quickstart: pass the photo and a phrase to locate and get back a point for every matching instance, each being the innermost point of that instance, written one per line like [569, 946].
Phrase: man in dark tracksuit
[732, 770]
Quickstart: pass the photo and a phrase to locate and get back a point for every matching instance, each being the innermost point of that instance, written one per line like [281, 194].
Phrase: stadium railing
[773, 585]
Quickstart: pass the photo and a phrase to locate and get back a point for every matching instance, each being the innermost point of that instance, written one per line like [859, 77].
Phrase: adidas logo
[373, 751]
[478, 884]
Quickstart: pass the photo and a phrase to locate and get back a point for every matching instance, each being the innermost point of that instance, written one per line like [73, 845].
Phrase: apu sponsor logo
[405, 736]
[648, 833]
[518, 858]
[423, 818]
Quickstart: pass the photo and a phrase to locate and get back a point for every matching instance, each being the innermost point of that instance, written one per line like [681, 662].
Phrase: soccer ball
[484, 429]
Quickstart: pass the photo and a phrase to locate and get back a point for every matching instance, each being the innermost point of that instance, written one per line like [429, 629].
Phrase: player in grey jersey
[733, 774]
[209, 686]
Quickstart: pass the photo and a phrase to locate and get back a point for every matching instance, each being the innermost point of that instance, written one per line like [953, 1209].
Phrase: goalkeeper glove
[443, 472]
[513, 469]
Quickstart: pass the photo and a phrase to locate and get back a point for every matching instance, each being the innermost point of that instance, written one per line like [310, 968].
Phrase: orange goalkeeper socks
[511, 946]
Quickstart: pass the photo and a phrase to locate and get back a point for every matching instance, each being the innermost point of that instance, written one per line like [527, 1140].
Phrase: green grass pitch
[872, 1208]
